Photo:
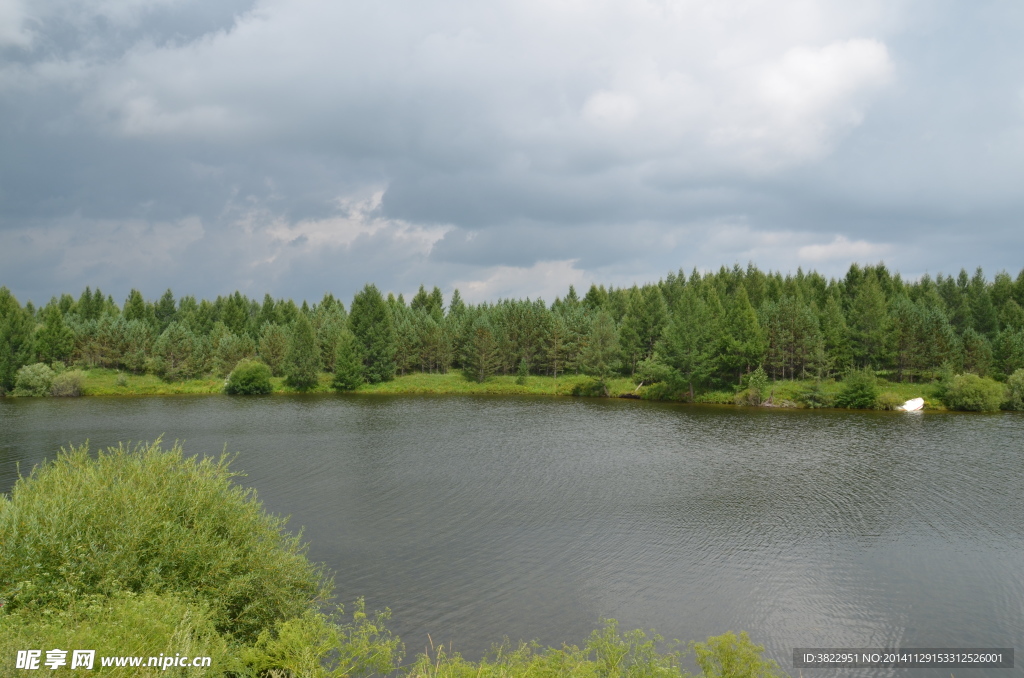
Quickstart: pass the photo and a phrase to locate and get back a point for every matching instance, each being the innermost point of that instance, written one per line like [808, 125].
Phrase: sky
[506, 148]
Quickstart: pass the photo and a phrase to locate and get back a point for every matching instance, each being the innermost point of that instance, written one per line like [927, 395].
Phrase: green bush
[732, 656]
[147, 624]
[250, 377]
[33, 380]
[1015, 391]
[889, 401]
[972, 393]
[859, 390]
[816, 396]
[758, 383]
[151, 520]
[67, 384]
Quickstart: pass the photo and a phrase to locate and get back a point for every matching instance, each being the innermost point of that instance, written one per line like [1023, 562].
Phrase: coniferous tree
[302, 362]
[268, 313]
[329, 322]
[743, 341]
[984, 318]
[135, 308]
[601, 355]
[555, 346]
[235, 314]
[371, 322]
[482, 359]
[348, 365]
[131, 342]
[642, 325]
[165, 311]
[686, 347]
[232, 349]
[1008, 351]
[836, 336]
[273, 347]
[16, 348]
[54, 340]
[905, 335]
[976, 352]
[407, 340]
[869, 323]
[174, 353]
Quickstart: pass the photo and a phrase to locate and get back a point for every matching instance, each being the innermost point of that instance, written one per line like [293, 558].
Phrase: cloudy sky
[507, 148]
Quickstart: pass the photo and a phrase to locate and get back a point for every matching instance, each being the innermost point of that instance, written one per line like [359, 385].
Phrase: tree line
[689, 332]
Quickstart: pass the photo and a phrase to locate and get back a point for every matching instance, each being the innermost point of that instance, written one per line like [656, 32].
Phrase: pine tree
[744, 345]
[16, 348]
[165, 311]
[869, 319]
[348, 365]
[905, 335]
[371, 323]
[406, 346]
[174, 353]
[686, 346]
[601, 356]
[135, 308]
[302, 362]
[555, 345]
[54, 340]
[273, 347]
[481, 359]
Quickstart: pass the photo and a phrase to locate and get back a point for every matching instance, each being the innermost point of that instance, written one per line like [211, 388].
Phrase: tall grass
[151, 520]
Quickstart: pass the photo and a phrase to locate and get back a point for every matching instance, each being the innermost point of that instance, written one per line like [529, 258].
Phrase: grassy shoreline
[787, 393]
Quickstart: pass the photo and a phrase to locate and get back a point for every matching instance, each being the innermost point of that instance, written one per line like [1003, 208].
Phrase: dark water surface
[475, 518]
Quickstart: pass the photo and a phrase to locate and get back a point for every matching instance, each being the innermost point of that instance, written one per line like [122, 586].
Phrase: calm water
[477, 518]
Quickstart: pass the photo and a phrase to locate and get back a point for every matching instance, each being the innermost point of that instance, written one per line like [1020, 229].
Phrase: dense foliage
[974, 394]
[34, 380]
[148, 551]
[860, 389]
[250, 377]
[687, 334]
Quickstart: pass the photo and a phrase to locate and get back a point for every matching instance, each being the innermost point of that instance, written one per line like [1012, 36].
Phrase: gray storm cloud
[511, 148]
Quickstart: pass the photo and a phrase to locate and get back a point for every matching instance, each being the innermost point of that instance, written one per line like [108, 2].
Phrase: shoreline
[786, 394]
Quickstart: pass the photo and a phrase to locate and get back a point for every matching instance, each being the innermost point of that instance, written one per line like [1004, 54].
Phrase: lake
[475, 518]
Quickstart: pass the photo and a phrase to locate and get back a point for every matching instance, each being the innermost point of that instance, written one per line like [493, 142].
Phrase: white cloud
[844, 249]
[544, 279]
[358, 217]
[739, 86]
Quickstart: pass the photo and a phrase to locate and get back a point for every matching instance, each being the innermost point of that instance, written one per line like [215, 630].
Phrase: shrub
[250, 377]
[732, 656]
[816, 396]
[972, 393]
[151, 520]
[758, 383]
[889, 401]
[33, 380]
[1015, 391]
[859, 390]
[522, 372]
[68, 384]
[148, 623]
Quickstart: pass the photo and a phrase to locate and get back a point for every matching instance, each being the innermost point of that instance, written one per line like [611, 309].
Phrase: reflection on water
[477, 518]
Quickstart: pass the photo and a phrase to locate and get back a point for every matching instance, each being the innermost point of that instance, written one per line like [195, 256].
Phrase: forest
[683, 335]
